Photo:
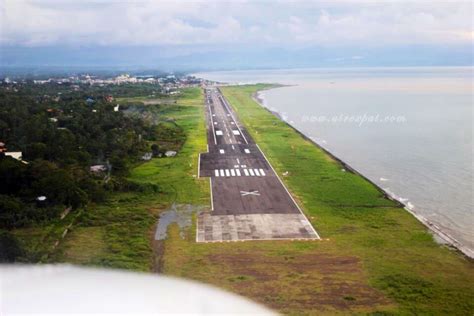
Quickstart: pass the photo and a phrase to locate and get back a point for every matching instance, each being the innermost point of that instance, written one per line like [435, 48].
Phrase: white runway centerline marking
[235, 132]
[247, 151]
[219, 133]
[222, 151]
[246, 172]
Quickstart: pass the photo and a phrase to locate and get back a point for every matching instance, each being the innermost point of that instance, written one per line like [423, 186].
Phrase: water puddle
[180, 214]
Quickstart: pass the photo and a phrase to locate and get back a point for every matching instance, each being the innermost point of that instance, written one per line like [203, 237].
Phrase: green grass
[397, 252]
[121, 230]
[374, 256]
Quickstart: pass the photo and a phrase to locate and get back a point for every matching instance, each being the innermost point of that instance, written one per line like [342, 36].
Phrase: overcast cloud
[44, 23]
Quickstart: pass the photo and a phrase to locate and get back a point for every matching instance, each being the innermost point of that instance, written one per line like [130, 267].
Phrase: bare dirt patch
[317, 282]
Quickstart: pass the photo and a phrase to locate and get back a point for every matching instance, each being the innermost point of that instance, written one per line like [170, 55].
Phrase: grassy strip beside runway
[398, 253]
[119, 232]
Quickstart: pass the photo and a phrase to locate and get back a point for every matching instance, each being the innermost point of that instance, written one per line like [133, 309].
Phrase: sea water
[409, 130]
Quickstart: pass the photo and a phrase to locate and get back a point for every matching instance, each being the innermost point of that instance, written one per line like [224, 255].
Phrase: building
[18, 155]
[98, 168]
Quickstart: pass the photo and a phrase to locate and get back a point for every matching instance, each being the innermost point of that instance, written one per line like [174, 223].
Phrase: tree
[35, 151]
[13, 175]
[10, 248]
[11, 212]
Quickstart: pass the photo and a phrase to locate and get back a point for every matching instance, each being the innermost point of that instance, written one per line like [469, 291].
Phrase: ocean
[409, 130]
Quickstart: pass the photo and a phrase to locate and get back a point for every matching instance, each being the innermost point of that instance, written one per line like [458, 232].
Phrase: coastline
[439, 236]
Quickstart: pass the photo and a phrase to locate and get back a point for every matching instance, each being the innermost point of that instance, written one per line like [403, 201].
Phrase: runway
[249, 201]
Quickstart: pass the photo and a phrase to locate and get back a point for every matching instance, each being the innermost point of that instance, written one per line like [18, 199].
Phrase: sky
[238, 34]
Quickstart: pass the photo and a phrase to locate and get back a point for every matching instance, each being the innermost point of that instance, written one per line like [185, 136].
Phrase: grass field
[375, 258]
[118, 233]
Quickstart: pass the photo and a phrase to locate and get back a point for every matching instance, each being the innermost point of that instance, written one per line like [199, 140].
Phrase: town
[166, 83]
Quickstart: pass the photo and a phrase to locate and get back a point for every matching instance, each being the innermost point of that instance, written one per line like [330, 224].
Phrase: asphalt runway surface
[249, 201]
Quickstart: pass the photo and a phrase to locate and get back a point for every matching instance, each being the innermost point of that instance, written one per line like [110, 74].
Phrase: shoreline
[439, 236]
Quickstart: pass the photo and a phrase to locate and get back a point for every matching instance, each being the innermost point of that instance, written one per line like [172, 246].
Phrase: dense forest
[76, 147]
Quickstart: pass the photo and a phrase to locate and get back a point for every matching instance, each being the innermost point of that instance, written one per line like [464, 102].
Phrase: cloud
[139, 23]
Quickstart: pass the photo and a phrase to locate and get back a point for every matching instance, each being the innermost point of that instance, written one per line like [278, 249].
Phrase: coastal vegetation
[77, 151]
[121, 230]
[374, 258]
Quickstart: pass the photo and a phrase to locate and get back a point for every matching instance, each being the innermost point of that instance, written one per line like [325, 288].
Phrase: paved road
[246, 191]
